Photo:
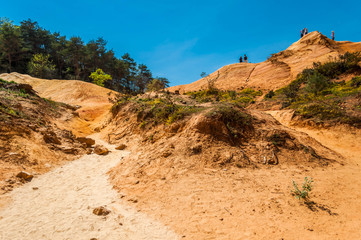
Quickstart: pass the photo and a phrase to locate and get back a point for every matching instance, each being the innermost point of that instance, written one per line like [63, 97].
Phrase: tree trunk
[10, 62]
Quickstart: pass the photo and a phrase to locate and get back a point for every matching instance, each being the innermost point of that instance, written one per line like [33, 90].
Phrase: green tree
[99, 77]
[58, 53]
[128, 75]
[10, 43]
[143, 78]
[41, 66]
[75, 52]
[157, 84]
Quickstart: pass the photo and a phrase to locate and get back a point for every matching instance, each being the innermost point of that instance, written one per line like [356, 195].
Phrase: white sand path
[62, 207]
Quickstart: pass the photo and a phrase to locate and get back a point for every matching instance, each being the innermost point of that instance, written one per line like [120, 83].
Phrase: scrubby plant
[304, 192]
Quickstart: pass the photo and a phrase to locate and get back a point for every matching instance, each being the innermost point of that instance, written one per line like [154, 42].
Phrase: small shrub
[306, 188]
[236, 121]
[316, 83]
[270, 94]
[356, 82]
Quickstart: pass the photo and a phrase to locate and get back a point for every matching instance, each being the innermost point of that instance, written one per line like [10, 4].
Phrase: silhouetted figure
[302, 33]
[306, 31]
[245, 58]
[333, 35]
[240, 59]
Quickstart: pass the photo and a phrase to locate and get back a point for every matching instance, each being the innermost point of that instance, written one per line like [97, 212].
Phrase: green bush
[356, 82]
[317, 83]
[236, 120]
[320, 110]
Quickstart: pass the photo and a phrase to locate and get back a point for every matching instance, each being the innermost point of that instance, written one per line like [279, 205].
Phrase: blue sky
[181, 39]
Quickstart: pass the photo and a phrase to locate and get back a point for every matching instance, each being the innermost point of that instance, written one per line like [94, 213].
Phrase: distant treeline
[29, 48]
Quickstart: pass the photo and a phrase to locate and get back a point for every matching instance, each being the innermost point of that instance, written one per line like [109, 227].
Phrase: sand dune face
[277, 71]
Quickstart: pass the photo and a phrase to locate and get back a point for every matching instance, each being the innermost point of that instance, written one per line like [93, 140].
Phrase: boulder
[88, 141]
[25, 175]
[101, 211]
[121, 147]
[100, 150]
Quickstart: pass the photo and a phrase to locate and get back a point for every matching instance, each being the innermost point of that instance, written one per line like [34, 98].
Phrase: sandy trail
[62, 206]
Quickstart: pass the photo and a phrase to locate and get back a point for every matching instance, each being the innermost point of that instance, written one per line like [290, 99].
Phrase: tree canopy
[29, 48]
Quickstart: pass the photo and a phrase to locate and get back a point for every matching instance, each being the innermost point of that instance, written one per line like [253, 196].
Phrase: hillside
[91, 99]
[31, 134]
[279, 70]
[204, 165]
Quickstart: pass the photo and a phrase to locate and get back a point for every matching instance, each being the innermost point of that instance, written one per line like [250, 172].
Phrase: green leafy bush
[99, 77]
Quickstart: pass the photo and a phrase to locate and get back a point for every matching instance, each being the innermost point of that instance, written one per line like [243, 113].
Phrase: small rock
[25, 175]
[101, 211]
[35, 188]
[166, 154]
[50, 137]
[133, 200]
[10, 181]
[121, 147]
[100, 150]
[89, 151]
[48, 165]
[88, 141]
[70, 150]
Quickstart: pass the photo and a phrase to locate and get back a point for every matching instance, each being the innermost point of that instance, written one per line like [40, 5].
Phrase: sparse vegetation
[315, 94]
[244, 97]
[306, 188]
[155, 111]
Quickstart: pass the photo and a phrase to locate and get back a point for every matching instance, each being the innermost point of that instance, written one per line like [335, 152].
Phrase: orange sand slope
[93, 99]
[277, 71]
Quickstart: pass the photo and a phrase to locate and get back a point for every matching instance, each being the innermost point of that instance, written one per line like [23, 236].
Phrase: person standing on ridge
[245, 58]
[240, 59]
[306, 31]
[302, 33]
[333, 35]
